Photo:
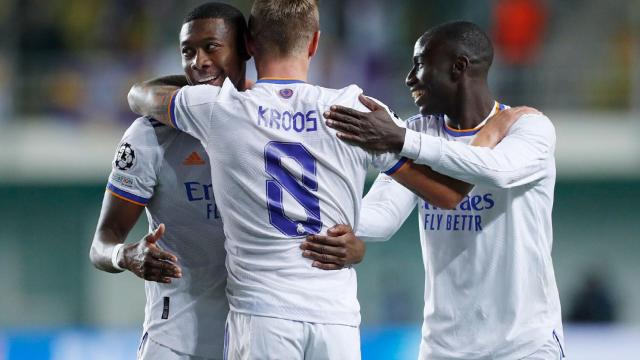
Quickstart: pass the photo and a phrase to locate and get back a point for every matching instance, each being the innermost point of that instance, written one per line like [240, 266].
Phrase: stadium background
[65, 68]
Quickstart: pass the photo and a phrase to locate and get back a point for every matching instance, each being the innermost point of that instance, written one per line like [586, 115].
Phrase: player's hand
[338, 249]
[148, 261]
[499, 124]
[374, 131]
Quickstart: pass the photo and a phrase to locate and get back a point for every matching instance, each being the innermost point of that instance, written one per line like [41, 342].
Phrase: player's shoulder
[346, 96]
[195, 95]
[148, 132]
[536, 123]
[142, 128]
[419, 122]
[531, 120]
[414, 120]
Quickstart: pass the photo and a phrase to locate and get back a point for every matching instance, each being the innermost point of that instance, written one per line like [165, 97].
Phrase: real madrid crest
[286, 93]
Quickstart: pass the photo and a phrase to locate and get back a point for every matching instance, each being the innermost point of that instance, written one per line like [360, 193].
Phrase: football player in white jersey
[168, 173]
[279, 174]
[490, 290]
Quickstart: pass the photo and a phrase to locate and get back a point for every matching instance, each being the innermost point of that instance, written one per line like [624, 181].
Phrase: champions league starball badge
[125, 158]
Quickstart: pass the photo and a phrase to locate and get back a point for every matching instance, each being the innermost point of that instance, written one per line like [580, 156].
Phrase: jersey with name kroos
[490, 290]
[279, 173]
[168, 172]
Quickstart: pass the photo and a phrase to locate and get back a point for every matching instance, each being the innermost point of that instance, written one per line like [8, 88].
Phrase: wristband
[114, 257]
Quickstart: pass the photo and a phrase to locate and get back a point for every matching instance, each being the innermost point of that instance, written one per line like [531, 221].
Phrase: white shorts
[151, 350]
[251, 337]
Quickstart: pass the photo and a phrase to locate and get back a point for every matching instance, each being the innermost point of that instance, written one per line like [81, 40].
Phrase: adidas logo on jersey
[193, 159]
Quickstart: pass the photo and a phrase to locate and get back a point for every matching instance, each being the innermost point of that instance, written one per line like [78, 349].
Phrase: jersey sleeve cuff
[411, 147]
[127, 196]
[172, 109]
[396, 167]
[422, 148]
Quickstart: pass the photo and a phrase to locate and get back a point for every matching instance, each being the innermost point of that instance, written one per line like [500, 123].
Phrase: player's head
[212, 44]
[445, 59]
[284, 28]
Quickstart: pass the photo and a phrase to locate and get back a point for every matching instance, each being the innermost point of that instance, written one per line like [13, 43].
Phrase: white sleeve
[133, 169]
[191, 109]
[520, 158]
[384, 209]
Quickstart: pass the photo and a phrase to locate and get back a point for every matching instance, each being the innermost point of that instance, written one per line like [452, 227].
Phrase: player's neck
[474, 107]
[242, 84]
[283, 68]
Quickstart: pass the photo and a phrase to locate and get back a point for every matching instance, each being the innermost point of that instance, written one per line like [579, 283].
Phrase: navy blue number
[300, 189]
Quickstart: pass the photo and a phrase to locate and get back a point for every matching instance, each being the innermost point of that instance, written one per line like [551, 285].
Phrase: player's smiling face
[429, 79]
[210, 52]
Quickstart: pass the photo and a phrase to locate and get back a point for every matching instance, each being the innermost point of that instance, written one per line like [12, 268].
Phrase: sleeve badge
[125, 158]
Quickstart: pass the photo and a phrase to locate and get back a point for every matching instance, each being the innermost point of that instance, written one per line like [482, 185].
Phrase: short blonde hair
[283, 27]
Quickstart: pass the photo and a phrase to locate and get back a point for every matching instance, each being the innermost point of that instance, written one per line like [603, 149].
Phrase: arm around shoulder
[153, 99]
[520, 158]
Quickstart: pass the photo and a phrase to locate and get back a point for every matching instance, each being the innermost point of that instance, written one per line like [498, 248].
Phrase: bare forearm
[117, 218]
[435, 188]
[102, 248]
[151, 98]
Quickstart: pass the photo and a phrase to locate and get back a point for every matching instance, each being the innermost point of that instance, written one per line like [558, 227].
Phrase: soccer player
[168, 173]
[490, 289]
[279, 174]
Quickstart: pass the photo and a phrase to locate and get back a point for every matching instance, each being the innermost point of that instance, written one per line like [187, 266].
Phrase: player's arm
[435, 188]
[376, 131]
[339, 248]
[130, 187]
[187, 108]
[384, 209]
[143, 258]
[153, 97]
[520, 158]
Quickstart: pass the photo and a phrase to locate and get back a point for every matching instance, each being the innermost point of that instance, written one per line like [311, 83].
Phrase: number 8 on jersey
[300, 189]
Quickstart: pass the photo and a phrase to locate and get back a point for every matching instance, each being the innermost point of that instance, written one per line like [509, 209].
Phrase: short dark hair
[231, 16]
[466, 37]
[283, 27]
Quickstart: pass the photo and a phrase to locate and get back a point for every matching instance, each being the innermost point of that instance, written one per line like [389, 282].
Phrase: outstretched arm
[153, 97]
[143, 258]
[520, 158]
[376, 131]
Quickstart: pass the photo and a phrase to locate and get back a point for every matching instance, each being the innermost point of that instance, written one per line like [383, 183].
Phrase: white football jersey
[490, 290]
[279, 173]
[169, 172]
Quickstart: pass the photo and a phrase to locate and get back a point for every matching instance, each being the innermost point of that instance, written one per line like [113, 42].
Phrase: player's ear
[459, 67]
[313, 44]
